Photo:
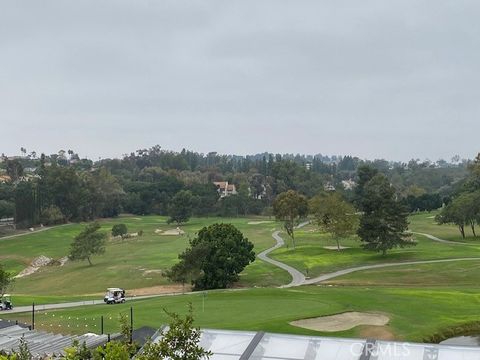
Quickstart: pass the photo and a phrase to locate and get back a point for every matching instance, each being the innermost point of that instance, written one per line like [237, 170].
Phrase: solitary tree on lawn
[119, 230]
[89, 242]
[214, 259]
[383, 224]
[289, 207]
[334, 215]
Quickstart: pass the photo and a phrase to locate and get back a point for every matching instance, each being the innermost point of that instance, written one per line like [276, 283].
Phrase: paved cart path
[22, 309]
[45, 228]
[335, 274]
[434, 238]
[299, 279]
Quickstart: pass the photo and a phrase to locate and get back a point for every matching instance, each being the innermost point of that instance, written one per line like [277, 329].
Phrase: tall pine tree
[383, 225]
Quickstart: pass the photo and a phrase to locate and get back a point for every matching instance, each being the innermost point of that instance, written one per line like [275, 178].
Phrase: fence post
[101, 324]
[131, 324]
[33, 316]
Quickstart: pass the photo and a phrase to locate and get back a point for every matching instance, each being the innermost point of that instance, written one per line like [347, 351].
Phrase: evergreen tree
[383, 224]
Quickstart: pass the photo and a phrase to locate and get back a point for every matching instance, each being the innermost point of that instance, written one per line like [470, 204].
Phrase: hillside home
[225, 189]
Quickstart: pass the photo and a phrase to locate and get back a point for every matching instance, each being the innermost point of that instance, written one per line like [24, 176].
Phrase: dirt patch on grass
[36, 264]
[377, 332]
[152, 271]
[157, 290]
[173, 232]
[259, 222]
[336, 247]
[342, 322]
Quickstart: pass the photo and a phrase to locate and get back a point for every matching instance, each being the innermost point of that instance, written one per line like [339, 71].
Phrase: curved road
[45, 228]
[434, 238]
[299, 279]
[377, 266]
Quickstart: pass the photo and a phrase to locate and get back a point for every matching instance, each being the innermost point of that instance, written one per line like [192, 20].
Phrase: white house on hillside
[225, 189]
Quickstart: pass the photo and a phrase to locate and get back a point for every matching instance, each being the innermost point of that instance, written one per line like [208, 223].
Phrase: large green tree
[181, 207]
[290, 207]
[334, 215]
[14, 169]
[91, 241]
[365, 173]
[216, 256]
[383, 224]
[189, 269]
[119, 230]
[7, 209]
[464, 210]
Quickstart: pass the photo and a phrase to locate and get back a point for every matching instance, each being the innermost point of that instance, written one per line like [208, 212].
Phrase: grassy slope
[310, 254]
[425, 223]
[125, 262]
[465, 273]
[414, 313]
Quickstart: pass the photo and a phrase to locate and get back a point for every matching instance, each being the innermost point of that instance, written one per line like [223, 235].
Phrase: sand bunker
[336, 247]
[259, 222]
[176, 231]
[154, 271]
[36, 264]
[158, 231]
[342, 322]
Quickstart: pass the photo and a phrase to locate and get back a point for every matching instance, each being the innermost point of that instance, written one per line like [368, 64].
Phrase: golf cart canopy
[115, 290]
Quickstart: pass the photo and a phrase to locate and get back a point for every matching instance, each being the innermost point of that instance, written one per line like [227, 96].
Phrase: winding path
[434, 238]
[45, 228]
[335, 274]
[299, 279]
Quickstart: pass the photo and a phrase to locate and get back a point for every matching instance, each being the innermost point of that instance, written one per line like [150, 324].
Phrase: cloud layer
[395, 79]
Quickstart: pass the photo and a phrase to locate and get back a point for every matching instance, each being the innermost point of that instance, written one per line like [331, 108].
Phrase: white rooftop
[245, 345]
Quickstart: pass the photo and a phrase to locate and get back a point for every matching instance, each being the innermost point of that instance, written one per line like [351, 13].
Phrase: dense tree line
[464, 209]
[63, 187]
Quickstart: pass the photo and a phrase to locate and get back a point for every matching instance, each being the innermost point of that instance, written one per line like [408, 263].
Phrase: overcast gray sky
[394, 79]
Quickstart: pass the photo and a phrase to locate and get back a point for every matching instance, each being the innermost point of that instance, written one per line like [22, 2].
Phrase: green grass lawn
[414, 313]
[420, 299]
[138, 262]
[465, 273]
[133, 263]
[425, 223]
[310, 254]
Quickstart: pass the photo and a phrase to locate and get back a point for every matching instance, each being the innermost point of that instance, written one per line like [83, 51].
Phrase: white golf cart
[114, 296]
[6, 302]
